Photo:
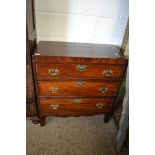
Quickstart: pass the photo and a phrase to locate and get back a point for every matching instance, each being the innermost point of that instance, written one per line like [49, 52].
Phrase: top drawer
[52, 71]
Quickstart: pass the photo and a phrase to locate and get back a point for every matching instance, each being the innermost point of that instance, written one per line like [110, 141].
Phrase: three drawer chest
[77, 79]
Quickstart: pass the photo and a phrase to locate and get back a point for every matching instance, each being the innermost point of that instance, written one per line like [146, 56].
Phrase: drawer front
[77, 88]
[75, 105]
[49, 71]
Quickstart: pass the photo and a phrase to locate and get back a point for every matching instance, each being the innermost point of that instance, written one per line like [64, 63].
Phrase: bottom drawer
[75, 106]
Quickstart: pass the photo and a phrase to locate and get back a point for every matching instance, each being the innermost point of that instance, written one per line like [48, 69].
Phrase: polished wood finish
[70, 71]
[73, 49]
[42, 120]
[75, 105]
[70, 78]
[70, 88]
[122, 60]
[107, 116]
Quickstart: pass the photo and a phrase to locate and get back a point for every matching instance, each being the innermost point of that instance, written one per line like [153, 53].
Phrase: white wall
[94, 21]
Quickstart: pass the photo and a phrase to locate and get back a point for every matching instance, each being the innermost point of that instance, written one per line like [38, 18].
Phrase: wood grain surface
[70, 88]
[71, 71]
[70, 105]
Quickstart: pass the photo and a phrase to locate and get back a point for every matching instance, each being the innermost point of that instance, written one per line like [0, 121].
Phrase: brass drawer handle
[54, 106]
[77, 100]
[53, 71]
[99, 105]
[80, 84]
[104, 89]
[53, 89]
[107, 72]
[81, 68]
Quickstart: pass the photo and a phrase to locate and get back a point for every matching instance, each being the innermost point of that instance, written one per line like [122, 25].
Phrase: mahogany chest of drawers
[77, 79]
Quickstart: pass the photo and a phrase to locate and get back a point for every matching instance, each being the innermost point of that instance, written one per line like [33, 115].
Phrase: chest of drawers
[77, 79]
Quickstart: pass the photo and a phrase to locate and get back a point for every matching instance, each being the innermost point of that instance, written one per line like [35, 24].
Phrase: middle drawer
[77, 88]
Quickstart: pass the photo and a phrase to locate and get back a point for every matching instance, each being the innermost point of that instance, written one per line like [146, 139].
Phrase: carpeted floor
[72, 136]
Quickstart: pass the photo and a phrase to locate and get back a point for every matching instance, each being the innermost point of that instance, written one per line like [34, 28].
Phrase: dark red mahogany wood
[70, 91]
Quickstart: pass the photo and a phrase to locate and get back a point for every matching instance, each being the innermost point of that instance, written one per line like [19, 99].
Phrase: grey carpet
[72, 136]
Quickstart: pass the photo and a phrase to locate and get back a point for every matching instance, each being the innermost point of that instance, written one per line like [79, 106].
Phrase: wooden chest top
[78, 52]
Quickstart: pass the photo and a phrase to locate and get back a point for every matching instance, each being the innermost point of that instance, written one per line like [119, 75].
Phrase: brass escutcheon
[77, 100]
[103, 89]
[53, 71]
[107, 72]
[53, 89]
[99, 105]
[80, 84]
[54, 106]
[81, 68]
